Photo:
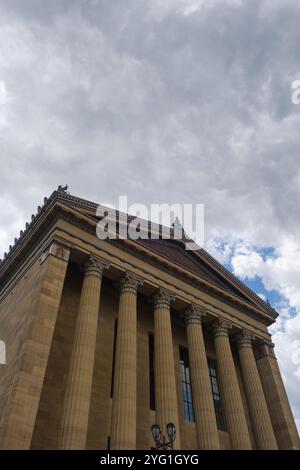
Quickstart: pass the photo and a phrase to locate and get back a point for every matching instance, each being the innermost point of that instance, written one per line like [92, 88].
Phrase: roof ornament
[63, 189]
[178, 228]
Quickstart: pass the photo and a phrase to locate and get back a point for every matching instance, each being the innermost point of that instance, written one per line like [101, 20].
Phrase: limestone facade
[106, 338]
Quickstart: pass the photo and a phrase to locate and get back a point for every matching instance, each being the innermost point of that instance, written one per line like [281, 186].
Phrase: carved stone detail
[94, 267]
[193, 314]
[244, 339]
[129, 283]
[262, 349]
[163, 299]
[57, 249]
[220, 328]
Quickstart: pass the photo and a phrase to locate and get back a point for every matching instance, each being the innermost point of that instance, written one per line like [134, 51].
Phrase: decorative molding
[83, 203]
[162, 299]
[220, 328]
[244, 339]
[58, 250]
[175, 275]
[193, 314]
[209, 289]
[95, 267]
[70, 200]
[130, 283]
[136, 252]
[263, 349]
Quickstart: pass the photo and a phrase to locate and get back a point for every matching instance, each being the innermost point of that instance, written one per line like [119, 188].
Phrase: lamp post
[160, 441]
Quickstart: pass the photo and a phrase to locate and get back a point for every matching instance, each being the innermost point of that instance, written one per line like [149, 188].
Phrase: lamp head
[156, 432]
[171, 431]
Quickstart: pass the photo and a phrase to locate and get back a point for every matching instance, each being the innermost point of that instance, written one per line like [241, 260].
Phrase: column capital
[130, 283]
[163, 298]
[193, 314]
[95, 267]
[220, 328]
[245, 339]
[264, 348]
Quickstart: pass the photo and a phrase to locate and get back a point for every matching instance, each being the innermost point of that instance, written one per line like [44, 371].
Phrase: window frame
[186, 385]
[215, 388]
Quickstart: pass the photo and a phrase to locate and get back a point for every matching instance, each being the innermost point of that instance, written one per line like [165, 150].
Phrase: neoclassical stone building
[106, 337]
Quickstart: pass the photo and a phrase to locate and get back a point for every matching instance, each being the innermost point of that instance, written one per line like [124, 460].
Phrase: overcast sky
[164, 101]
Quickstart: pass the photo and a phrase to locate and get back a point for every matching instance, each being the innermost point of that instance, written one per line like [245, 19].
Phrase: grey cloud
[108, 91]
[175, 107]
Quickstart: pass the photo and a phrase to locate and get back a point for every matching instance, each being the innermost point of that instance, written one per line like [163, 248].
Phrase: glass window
[186, 385]
[216, 394]
[114, 359]
[151, 372]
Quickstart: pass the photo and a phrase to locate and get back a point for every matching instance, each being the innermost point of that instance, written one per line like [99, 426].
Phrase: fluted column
[207, 432]
[278, 404]
[230, 393]
[123, 427]
[260, 418]
[78, 391]
[165, 381]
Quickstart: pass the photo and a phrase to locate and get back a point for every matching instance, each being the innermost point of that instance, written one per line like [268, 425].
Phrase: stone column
[78, 391]
[28, 382]
[229, 388]
[207, 432]
[165, 380]
[278, 404]
[260, 418]
[123, 426]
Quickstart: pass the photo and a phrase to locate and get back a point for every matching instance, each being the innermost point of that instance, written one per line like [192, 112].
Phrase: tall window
[114, 360]
[151, 372]
[186, 385]
[216, 394]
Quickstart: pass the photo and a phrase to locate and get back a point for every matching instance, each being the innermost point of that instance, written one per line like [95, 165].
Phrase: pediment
[191, 261]
[198, 262]
[169, 252]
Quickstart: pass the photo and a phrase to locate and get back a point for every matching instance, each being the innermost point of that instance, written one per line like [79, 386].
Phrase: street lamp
[160, 441]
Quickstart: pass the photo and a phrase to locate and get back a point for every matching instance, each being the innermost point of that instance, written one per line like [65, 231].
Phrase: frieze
[67, 198]
[154, 262]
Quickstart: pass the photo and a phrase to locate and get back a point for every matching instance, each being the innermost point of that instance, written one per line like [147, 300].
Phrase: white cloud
[280, 272]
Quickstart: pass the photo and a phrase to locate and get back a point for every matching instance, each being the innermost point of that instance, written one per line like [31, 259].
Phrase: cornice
[201, 254]
[182, 292]
[71, 201]
[195, 281]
